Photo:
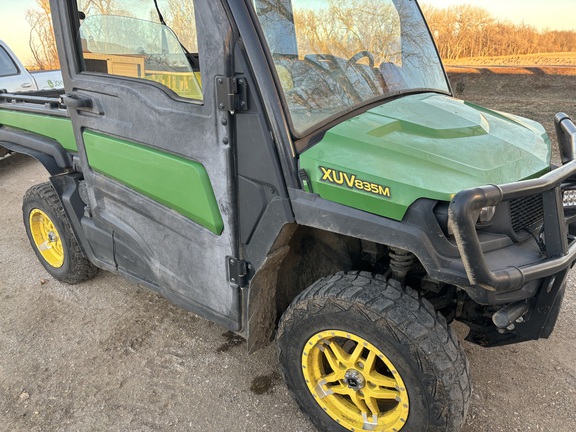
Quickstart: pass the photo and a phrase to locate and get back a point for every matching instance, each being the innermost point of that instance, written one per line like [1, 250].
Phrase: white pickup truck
[15, 78]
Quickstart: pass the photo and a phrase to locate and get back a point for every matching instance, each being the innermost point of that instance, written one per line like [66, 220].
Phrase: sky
[542, 14]
[553, 14]
[15, 30]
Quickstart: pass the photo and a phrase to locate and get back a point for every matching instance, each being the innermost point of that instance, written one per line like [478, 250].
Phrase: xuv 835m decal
[351, 181]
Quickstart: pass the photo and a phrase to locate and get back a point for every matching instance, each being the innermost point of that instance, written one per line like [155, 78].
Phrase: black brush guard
[551, 269]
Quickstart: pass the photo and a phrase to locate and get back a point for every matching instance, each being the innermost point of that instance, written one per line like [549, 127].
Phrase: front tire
[360, 353]
[52, 238]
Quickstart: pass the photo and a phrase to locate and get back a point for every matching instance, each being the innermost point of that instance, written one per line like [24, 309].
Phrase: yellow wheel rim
[354, 382]
[46, 238]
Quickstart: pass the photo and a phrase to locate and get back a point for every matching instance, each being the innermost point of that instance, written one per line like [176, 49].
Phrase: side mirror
[566, 133]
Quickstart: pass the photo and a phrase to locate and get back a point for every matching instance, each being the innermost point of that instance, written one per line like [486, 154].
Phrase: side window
[129, 41]
[7, 66]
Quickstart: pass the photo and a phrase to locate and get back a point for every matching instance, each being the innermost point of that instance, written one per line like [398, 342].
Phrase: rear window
[7, 66]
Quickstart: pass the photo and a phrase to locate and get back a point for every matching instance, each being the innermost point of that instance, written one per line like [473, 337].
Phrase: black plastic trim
[252, 43]
[463, 213]
[566, 133]
[277, 214]
[538, 322]
[46, 150]
[419, 231]
[67, 189]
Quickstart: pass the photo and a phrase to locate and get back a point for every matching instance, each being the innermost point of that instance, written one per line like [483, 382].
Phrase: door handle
[80, 103]
[72, 100]
[26, 85]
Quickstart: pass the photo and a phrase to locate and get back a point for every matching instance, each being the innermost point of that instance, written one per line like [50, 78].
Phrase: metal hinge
[239, 272]
[231, 94]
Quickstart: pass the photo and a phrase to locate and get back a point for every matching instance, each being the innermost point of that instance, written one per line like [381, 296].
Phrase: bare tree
[41, 40]
[347, 27]
[180, 18]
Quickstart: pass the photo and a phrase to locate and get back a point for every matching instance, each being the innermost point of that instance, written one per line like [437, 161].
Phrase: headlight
[569, 198]
[486, 214]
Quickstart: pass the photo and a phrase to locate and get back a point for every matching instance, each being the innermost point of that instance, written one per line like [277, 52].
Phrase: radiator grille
[526, 212]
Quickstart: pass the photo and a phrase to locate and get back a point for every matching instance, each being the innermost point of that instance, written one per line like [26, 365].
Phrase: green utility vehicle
[300, 169]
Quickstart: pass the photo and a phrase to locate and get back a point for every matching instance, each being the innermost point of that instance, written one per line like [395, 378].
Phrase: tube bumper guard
[560, 253]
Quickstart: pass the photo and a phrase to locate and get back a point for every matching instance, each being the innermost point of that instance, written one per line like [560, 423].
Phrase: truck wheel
[359, 353]
[52, 238]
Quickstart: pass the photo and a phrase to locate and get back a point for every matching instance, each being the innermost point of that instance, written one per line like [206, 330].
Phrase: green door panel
[57, 128]
[422, 146]
[179, 184]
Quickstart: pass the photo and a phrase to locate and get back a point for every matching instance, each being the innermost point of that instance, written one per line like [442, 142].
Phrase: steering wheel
[359, 55]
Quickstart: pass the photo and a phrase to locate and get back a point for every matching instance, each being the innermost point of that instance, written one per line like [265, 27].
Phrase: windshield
[332, 56]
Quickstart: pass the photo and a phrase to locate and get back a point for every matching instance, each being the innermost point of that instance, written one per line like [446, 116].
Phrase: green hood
[422, 146]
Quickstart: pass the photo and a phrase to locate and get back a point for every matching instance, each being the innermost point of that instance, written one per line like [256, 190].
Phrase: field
[540, 59]
[107, 355]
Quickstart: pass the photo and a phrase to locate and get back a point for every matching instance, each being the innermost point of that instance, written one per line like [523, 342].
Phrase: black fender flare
[47, 151]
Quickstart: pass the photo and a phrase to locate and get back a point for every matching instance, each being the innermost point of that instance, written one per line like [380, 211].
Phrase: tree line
[471, 31]
[460, 31]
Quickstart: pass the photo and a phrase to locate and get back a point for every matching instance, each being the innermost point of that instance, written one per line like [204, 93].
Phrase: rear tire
[360, 353]
[52, 238]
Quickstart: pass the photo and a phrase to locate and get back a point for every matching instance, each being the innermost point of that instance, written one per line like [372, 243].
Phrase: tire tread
[382, 303]
[81, 269]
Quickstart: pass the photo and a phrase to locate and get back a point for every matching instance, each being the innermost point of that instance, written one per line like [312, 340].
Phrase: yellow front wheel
[51, 236]
[360, 353]
[354, 382]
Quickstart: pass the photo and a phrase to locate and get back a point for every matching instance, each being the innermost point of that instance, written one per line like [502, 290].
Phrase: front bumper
[560, 247]
[534, 285]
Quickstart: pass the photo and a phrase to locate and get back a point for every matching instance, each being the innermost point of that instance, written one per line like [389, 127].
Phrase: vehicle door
[12, 78]
[153, 146]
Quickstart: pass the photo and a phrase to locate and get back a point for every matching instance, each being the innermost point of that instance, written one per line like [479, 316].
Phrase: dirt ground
[107, 355]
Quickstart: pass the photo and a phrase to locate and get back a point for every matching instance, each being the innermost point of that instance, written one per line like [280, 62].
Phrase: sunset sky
[553, 14]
